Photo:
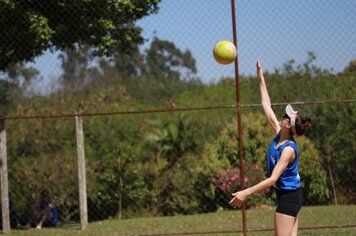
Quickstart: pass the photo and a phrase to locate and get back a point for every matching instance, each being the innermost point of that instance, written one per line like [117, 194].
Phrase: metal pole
[238, 114]
[4, 180]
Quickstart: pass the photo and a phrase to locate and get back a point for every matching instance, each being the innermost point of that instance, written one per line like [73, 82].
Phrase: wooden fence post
[81, 173]
[4, 180]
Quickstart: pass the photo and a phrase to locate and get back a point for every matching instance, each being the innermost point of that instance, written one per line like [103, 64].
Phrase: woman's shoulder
[291, 144]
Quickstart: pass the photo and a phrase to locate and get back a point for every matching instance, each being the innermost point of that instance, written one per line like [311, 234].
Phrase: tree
[129, 64]
[20, 77]
[351, 68]
[333, 135]
[171, 166]
[306, 69]
[4, 96]
[75, 68]
[165, 61]
[28, 28]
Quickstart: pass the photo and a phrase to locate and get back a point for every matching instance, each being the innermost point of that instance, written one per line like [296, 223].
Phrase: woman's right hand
[238, 199]
[259, 70]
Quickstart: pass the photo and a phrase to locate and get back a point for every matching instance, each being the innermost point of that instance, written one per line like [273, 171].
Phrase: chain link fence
[159, 120]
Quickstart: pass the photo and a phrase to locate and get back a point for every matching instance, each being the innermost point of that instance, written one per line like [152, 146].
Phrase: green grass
[219, 223]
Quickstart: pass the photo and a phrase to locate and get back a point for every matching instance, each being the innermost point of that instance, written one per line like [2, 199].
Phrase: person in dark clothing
[45, 213]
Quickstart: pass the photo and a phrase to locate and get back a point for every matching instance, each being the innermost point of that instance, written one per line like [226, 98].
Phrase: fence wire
[159, 124]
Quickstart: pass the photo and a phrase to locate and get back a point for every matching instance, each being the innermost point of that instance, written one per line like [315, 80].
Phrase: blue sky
[274, 31]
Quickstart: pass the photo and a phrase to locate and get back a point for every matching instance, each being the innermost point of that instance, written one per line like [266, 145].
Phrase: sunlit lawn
[219, 223]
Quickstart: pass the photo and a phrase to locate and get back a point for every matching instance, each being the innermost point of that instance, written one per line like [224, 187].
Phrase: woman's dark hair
[302, 123]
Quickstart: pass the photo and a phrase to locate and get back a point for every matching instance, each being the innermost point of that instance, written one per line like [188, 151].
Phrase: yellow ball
[225, 52]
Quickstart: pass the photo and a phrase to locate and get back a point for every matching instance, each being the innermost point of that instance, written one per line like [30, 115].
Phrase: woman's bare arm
[265, 100]
[288, 155]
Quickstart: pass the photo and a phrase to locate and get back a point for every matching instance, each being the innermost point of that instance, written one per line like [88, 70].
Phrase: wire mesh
[159, 129]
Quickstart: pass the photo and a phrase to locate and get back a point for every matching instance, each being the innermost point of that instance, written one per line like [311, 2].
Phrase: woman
[282, 164]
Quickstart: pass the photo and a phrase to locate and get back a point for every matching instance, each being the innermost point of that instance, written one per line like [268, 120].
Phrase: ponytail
[302, 123]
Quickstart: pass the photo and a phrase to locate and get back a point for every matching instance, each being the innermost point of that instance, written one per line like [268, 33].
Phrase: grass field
[219, 223]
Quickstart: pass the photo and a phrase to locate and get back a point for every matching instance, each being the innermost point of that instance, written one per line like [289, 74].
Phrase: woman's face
[285, 120]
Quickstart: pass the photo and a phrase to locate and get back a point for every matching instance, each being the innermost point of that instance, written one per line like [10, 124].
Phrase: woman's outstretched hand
[238, 199]
[259, 70]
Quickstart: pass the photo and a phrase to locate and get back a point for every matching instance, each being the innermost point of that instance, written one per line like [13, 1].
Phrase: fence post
[81, 173]
[4, 180]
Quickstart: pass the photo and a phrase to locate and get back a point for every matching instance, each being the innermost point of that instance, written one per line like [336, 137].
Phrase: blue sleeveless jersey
[289, 179]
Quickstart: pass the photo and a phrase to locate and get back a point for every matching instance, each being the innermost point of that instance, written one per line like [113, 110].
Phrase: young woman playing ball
[282, 164]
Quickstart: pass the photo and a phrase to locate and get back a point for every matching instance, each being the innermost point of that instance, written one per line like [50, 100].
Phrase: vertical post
[238, 114]
[4, 180]
[121, 186]
[81, 173]
[332, 181]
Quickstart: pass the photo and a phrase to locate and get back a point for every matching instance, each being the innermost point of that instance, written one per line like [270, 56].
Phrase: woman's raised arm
[265, 100]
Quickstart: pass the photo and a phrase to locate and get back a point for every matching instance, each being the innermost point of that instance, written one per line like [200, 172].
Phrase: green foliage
[5, 100]
[305, 70]
[351, 68]
[337, 145]
[172, 148]
[28, 177]
[121, 172]
[222, 159]
[112, 150]
[30, 27]
[75, 68]
[256, 139]
[166, 61]
[313, 175]
[163, 164]
[150, 76]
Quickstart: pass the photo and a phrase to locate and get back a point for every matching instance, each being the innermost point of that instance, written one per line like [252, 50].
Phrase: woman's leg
[295, 226]
[286, 217]
[284, 224]
[46, 217]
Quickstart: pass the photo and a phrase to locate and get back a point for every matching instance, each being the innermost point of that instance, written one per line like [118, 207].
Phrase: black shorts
[289, 201]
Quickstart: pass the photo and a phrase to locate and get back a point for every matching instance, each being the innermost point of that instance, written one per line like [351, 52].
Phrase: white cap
[292, 114]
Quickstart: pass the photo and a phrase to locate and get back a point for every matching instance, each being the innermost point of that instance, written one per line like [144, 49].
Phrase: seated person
[45, 214]
[13, 215]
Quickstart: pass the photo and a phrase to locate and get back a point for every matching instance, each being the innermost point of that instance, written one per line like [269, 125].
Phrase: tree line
[175, 163]
[154, 164]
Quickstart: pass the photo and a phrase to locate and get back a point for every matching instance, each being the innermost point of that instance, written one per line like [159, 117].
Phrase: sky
[273, 31]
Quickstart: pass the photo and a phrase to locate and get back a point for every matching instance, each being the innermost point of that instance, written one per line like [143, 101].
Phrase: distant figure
[45, 213]
[13, 215]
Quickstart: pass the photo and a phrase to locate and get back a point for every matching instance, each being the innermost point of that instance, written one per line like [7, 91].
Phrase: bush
[224, 160]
